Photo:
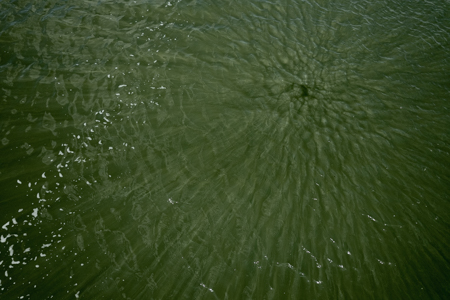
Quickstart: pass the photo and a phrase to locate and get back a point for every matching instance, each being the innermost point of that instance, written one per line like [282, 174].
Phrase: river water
[189, 149]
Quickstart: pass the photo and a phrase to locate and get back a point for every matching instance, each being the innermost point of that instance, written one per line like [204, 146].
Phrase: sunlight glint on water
[224, 150]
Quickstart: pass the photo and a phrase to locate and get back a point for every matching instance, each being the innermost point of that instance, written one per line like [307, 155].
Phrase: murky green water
[225, 149]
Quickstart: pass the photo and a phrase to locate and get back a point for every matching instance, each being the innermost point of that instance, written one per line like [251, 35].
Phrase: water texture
[225, 149]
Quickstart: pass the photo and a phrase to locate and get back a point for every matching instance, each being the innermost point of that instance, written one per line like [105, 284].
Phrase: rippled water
[225, 149]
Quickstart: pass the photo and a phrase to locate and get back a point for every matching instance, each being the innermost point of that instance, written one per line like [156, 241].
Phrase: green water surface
[190, 149]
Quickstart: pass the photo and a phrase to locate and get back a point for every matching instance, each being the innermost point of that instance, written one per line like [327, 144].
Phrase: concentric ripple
[224, 150]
